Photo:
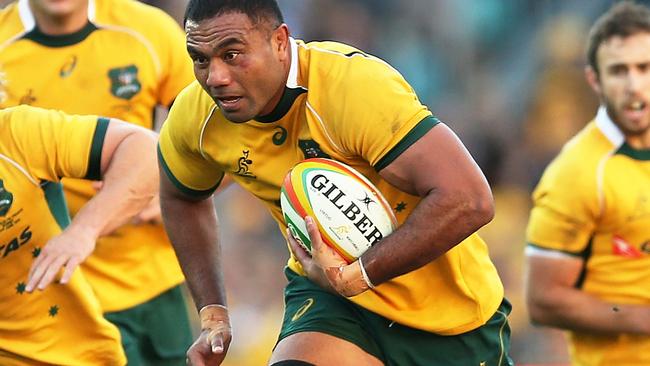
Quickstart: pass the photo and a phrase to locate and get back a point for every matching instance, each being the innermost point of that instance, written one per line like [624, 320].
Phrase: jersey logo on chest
[68, 67]
[280, 136]
[243, 165]
[124, 81]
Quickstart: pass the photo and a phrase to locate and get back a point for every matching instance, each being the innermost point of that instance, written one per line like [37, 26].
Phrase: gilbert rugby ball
[351, 213]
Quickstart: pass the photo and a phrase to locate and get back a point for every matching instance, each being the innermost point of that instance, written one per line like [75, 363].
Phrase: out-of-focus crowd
[506, 75]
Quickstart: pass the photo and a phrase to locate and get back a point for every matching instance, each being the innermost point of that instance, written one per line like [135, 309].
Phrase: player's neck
[639, 142]
[61, 25]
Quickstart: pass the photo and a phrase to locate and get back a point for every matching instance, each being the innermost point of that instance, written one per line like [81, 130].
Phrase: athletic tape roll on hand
[214, 319]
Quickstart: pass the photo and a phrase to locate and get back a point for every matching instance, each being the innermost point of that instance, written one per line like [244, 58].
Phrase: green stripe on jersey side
[94, 171]
[418, 131]
[180, 186]
[56, 202]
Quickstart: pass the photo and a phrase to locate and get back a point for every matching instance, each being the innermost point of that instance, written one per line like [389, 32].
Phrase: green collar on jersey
[285, 103]
[64, 40]
[628, 150]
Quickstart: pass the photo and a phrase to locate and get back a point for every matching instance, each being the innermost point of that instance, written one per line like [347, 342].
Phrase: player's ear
[593, 79]
[280, 39]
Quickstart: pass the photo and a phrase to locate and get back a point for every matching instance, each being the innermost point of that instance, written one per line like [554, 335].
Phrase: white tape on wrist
[365, 275]
[213, 306]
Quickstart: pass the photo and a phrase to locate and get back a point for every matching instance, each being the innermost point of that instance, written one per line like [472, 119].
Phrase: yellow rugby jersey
[62, 325]
[593, 201]
[352, 107]
[115, 68]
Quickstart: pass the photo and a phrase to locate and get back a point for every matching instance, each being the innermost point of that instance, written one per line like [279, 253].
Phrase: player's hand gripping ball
[350, 212]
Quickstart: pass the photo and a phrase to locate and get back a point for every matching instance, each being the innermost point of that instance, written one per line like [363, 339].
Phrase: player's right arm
[563, 219]
[553, 300]
[55, 145]
[187, 184]
[191, 224]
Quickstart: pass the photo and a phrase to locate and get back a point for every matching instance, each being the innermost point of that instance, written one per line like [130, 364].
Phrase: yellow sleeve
[381, 115]
[51, 144]
[566, 206]
[177, 71]
[178, 148]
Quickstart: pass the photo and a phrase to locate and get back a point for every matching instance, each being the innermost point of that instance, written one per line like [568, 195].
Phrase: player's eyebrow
[226, 42]
[229, 41]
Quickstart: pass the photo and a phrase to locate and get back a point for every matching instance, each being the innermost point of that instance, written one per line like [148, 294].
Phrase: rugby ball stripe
[295, 221]
[302, 206]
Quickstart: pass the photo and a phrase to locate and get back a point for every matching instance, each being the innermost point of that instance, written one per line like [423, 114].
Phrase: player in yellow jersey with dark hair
[265, 101]
[62, 324]
[589, 231]
[116, 58]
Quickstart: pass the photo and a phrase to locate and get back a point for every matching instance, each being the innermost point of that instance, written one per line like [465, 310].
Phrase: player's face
[242, 65]
[58, 8]
[624, 81]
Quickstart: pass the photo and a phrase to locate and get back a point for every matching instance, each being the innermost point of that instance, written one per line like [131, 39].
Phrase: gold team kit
[343, 104]
[144, 63]
[38, 147]
[593, 202]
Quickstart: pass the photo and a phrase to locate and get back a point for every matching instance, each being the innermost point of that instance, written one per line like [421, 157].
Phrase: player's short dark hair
[256, 10]
[624, 19]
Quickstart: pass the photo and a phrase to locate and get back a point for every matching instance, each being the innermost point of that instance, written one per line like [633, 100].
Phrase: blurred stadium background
[506, 75]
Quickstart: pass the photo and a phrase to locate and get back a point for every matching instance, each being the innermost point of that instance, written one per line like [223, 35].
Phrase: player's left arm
[129, 171]
[456, 201]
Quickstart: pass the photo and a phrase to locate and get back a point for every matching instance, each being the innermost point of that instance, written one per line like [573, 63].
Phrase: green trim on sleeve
[573, 254]
[416, 132]
[180, 186]
[584, 254]
[94, 171]
[56, 202]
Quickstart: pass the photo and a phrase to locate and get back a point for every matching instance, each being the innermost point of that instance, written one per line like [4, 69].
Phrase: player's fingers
[300, 253]
[314, 234]
[150, 214]
[194, 358]
[216, 342]
[97, 185]
[323, 254]
[36, 264]
[37, 270]
[50, 272]
[70, 266]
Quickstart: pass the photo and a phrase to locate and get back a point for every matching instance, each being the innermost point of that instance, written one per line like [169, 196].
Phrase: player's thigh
[321, 349]
[330, 321]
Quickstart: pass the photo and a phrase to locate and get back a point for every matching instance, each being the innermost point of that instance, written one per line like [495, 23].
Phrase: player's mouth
[228, 103]
[635, 110]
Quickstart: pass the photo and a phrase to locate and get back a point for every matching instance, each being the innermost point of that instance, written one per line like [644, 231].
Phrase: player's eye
[618, 70]
[200, 60]
[230, 56]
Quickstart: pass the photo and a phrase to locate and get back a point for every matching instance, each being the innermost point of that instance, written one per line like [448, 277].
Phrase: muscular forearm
[192, 229]
[573, 309]
[130, 182]
[439, 222]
